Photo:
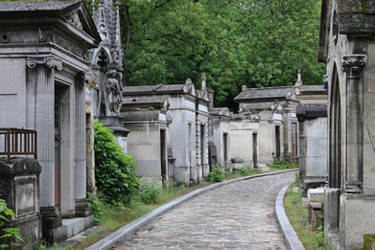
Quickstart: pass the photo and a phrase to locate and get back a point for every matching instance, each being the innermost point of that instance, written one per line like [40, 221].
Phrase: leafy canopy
[235, 42]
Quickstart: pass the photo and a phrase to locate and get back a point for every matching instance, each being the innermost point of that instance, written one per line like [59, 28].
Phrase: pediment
[78, 15]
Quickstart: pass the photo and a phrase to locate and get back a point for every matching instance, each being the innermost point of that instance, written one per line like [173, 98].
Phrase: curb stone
[291, 239]
[130, 228]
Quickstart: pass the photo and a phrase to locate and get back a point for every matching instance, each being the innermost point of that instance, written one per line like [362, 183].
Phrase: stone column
[90, 154]
[81, 206]
[43, 70]
[352, 66]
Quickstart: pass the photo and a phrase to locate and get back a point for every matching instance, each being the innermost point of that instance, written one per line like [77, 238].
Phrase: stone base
[347, 218]
[82, 208]
[182, 175]
[56, 230]
[331, 210]
[29, 229]
[74, 226]
[357, 218]
[51, 220]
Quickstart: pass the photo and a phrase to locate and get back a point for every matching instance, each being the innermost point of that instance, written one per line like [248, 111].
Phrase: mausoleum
[277, 136]
[43, 51]
[347, 46]
[188, 131]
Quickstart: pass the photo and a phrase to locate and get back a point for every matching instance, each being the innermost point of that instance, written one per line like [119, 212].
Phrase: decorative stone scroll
[50, 62]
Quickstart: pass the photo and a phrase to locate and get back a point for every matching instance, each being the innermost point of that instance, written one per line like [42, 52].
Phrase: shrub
[8, 234]
[216, 175]
[150, 192]
[114, 170]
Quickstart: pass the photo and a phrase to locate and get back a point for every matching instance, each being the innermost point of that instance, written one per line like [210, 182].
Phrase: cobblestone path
[236, 216]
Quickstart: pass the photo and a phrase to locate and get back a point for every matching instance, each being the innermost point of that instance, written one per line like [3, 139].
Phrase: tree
[255, 43]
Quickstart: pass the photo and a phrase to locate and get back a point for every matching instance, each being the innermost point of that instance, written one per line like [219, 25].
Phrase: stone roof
[313, 88]
[264, 93]
[69, 15]
[142, 100]
[311, 111]
[35, 6]
[153, 89]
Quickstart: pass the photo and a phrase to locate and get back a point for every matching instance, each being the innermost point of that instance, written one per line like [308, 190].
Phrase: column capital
[353, 65]
[50, 62]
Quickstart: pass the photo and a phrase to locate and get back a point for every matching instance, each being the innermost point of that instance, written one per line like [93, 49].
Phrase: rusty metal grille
[17, 142]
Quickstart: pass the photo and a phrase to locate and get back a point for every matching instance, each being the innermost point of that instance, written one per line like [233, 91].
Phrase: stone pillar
[352, 66]
[41, 70]
[90, 154]
[81, 205]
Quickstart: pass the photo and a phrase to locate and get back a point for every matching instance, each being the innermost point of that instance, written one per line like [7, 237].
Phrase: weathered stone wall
[182, 112]
[316, 147]
[350, 65]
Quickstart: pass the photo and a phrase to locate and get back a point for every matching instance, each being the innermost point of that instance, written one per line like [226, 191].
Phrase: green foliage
[254, 43]
[319, 240]
[8, 234]
[114, 170]
[277, 164]
[216, 175]
[150, 192]
[244, 171]
[296, 183]
[97, 205]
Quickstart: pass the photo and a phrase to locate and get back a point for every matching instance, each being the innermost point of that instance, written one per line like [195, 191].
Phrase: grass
[298, 217]
[114, 217]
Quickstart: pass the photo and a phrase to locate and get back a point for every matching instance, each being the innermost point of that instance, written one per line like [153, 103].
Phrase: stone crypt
[347, 45]
[43, 51]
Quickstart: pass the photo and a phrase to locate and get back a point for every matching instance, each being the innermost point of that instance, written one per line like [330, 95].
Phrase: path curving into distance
[240, 215]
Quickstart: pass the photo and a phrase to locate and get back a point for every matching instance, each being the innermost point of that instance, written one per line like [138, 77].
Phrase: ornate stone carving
[352, 65]
[50, 62]
[74, 19]
[109, 56]
[110, 94]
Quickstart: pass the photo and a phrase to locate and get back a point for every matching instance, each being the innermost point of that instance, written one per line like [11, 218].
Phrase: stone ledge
[291, 239]
[130, 228]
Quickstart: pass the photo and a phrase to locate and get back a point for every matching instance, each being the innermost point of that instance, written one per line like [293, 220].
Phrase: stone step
[76, 225]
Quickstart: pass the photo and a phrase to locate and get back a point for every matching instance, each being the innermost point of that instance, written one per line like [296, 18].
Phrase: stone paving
[236, 216]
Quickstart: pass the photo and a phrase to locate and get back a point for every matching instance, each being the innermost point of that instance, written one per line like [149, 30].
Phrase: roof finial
[203, 81]
[188, 81]
[299, 79]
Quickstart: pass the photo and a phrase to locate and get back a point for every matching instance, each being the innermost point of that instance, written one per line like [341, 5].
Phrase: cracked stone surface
[236, 216]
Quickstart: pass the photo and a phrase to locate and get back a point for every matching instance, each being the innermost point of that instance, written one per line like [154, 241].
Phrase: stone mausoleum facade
[188, 130]
[313, 129]
[277, 130]
[221, 136]
[43, 51]
[347, 45]
[146, 119]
